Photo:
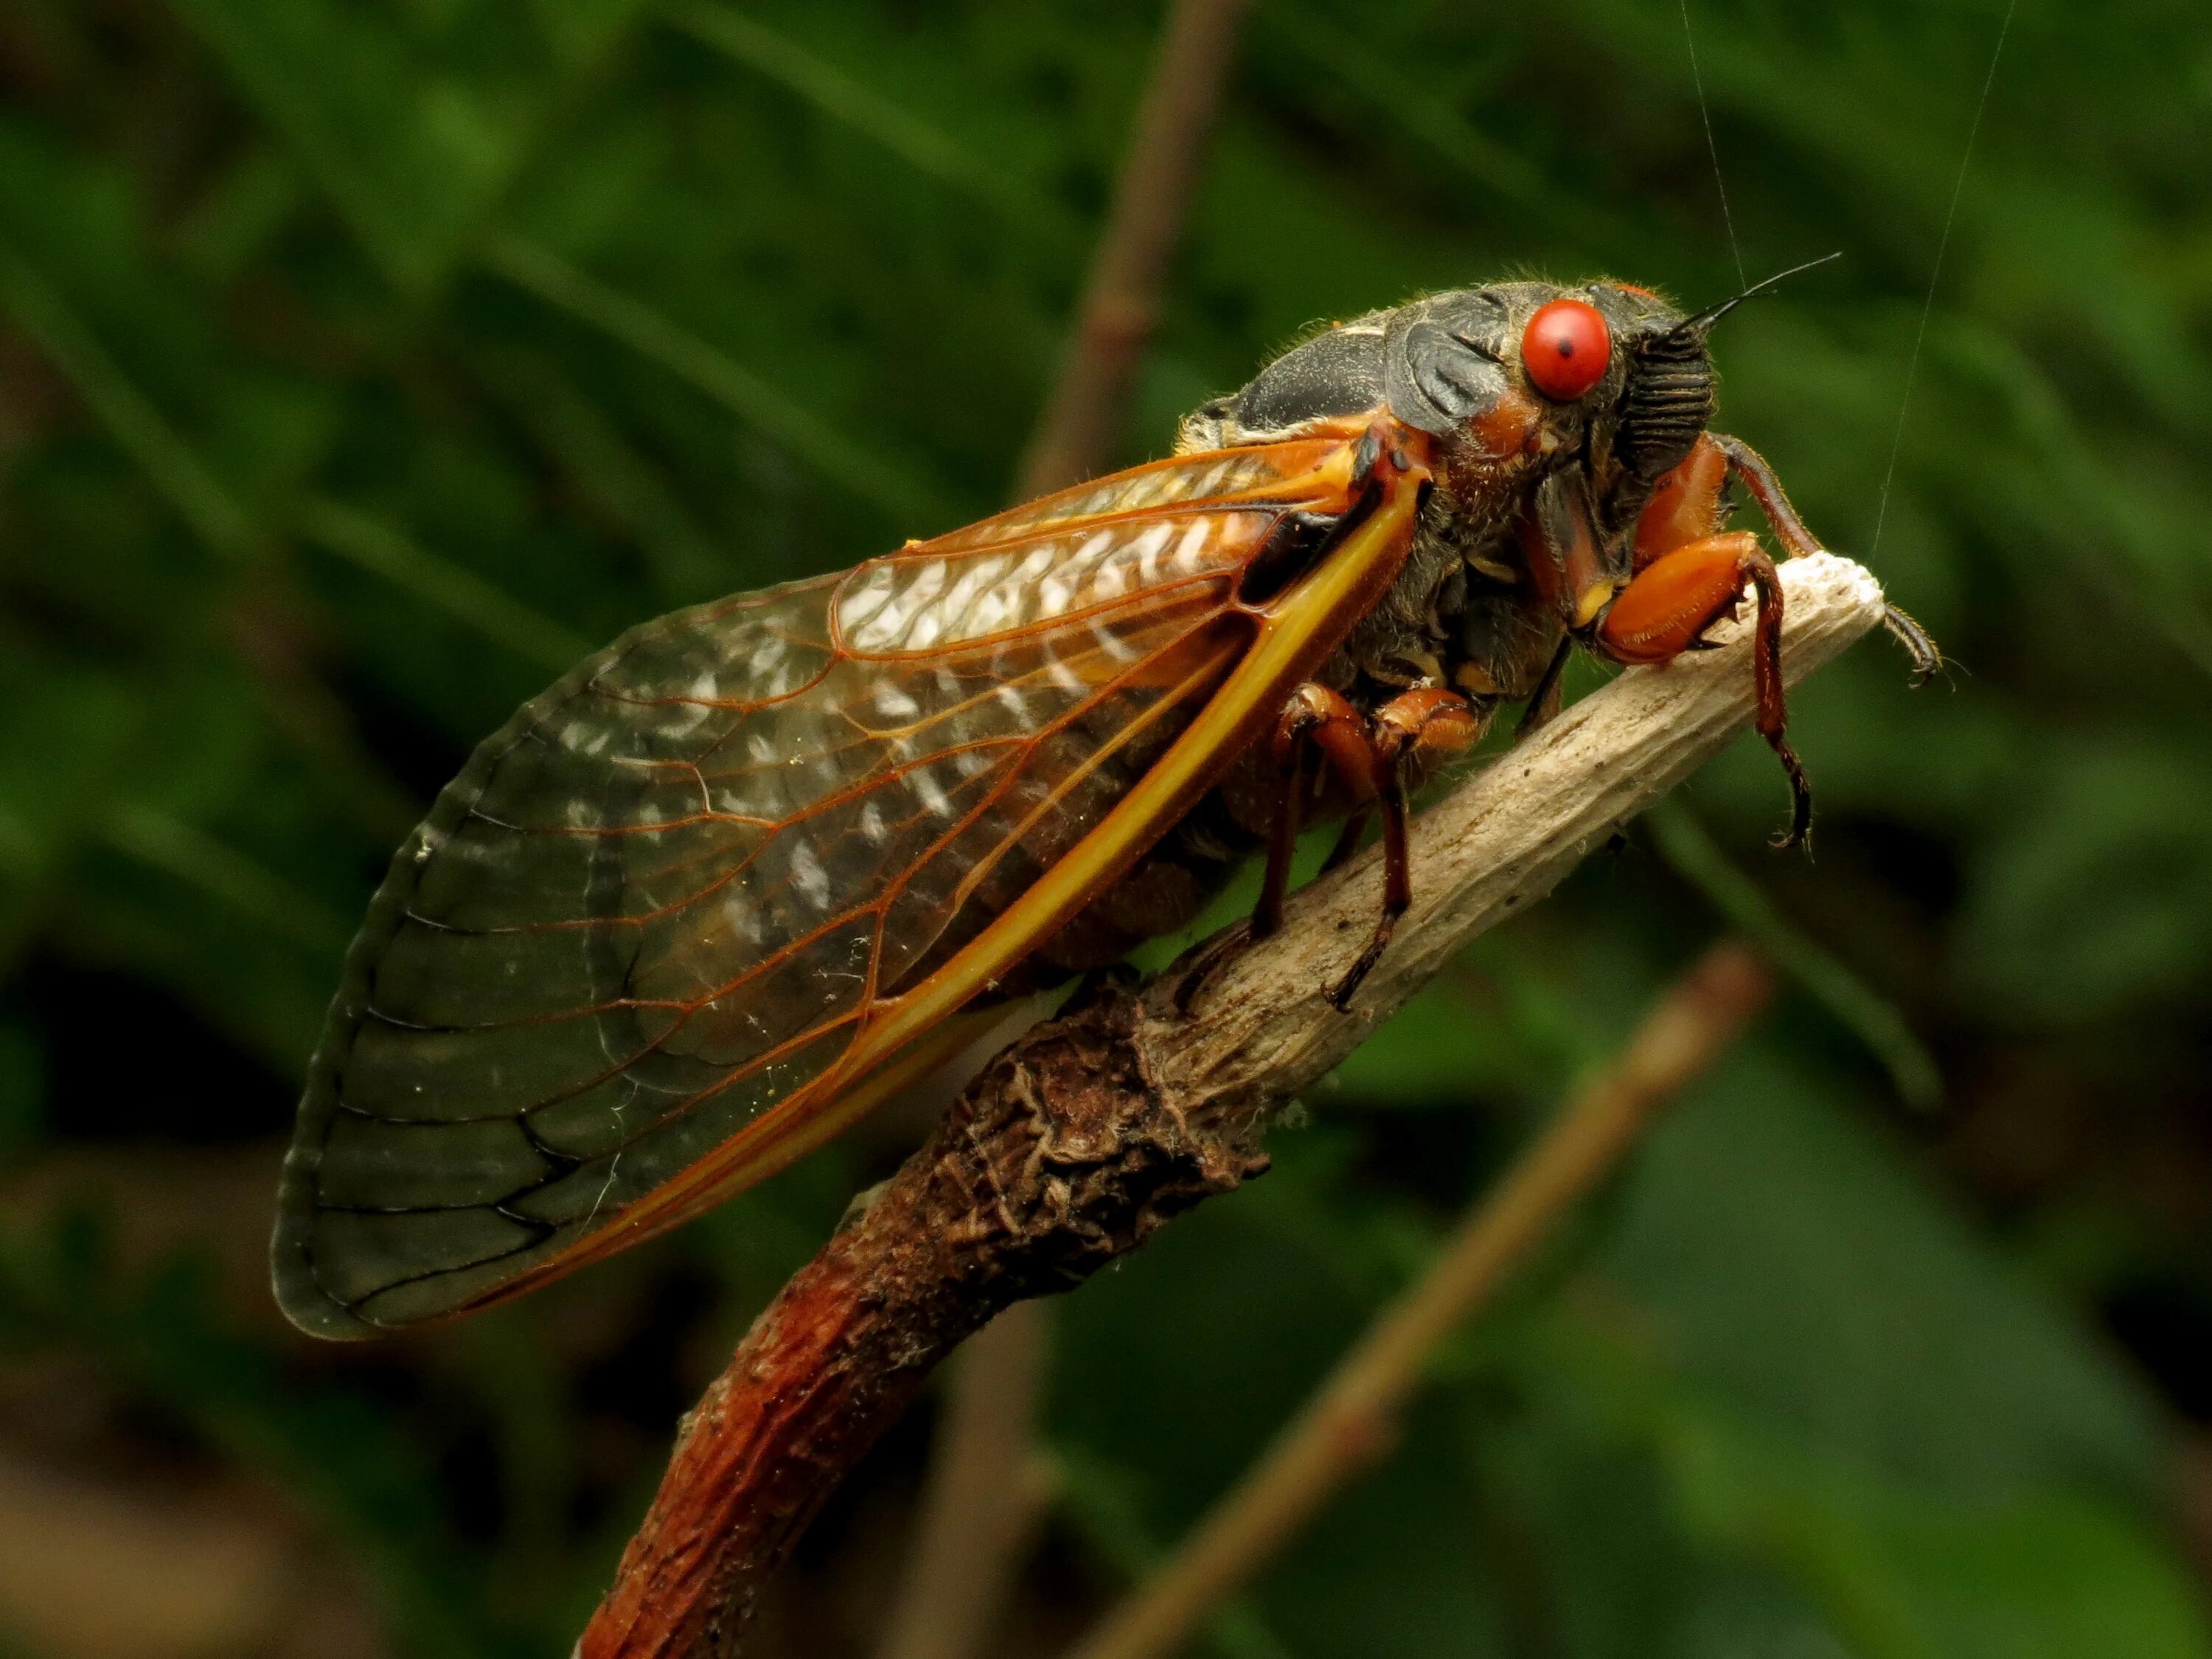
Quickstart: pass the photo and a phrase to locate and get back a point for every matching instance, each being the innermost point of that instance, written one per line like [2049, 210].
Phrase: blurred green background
[360, 364]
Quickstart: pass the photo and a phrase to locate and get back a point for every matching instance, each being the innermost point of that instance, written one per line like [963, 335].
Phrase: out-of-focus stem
[1074, 437]
[1344, 1425]
[986, 1488]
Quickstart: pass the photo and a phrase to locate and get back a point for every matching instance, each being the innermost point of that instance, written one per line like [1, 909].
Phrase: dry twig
[1079, 1141]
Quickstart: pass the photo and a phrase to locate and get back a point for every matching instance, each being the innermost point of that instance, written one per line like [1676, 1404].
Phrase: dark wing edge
[299, 1290]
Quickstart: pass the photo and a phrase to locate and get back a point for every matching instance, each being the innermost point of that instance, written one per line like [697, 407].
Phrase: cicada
[743, 874]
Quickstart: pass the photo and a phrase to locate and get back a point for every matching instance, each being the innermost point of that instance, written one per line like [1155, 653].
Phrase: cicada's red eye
[1565, 348]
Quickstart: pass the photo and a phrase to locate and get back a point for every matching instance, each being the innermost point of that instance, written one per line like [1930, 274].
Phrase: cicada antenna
[1703, 322]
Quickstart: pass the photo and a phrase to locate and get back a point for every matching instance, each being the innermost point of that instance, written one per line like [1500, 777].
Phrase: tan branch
[1087, 1134]
[988, 1488]
[1495, 845]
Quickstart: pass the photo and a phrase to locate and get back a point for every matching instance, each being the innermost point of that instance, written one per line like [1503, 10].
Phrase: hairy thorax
[1459, 616]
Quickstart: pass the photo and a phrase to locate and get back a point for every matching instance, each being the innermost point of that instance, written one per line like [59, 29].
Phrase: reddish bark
[1059, 1157]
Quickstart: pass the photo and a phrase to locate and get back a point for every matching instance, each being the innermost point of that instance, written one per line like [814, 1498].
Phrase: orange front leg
[1674, 598]
[1687, 505]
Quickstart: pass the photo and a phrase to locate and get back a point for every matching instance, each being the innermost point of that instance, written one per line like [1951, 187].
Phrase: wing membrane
[686, 899]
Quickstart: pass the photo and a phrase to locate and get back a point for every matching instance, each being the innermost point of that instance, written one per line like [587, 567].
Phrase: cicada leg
[1543, 702]
[1374, 757]
[1688, 574]
[1282, 842]
[1759, 479]
[1371, 757]
[1665, 611]
[1312, 710]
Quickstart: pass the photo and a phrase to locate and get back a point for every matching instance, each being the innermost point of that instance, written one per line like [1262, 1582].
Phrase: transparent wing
[676, 888]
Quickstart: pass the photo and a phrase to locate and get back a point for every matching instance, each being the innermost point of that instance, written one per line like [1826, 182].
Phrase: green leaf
[809, 437]
[2046, 1576]
[1787, 1265]
[203, 501]
[2093, 893]
[414, 120]
[458, 593]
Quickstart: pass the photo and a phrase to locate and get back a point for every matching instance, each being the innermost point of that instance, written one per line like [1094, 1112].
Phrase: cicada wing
[676, 892]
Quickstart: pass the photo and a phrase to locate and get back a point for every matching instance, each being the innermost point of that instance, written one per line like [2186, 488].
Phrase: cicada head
[1519, 379]
[1525, 387]
[1666, 397]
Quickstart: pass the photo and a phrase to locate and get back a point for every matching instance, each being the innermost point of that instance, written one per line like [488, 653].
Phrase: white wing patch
[906, 604]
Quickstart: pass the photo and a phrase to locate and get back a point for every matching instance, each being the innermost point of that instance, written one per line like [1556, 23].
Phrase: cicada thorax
[1470, 607]
[1556, 414]
[1540, 473]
